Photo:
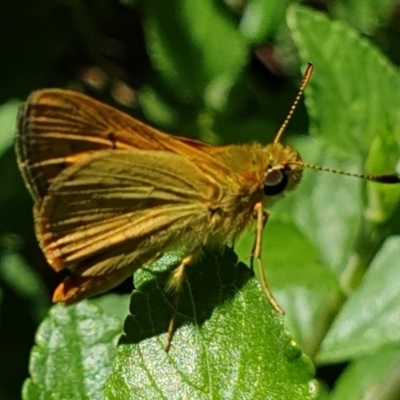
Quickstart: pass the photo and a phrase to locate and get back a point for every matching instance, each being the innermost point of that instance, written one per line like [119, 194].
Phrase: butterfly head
[283, 169]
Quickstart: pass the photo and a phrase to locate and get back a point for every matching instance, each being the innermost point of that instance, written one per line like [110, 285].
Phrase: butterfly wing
[58, 128]
[110, 214]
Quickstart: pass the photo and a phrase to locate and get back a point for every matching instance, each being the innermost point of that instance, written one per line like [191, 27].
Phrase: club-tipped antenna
[381, 178]
[304, 82]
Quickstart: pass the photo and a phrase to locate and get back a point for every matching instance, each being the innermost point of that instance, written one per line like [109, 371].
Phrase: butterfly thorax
[258, 174]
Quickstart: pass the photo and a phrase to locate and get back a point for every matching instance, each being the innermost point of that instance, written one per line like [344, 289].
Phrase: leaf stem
[368, 241]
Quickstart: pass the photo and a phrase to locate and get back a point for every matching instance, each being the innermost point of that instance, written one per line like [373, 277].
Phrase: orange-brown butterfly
[113, 194]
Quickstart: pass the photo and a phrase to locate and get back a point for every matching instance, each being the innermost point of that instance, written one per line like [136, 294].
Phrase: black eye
[275, 182]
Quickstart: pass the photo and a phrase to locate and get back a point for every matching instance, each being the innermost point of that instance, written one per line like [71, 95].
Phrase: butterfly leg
[261, 221]
[174, 284]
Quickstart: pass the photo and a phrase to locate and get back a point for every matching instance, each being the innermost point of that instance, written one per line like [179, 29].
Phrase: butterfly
[113, 194]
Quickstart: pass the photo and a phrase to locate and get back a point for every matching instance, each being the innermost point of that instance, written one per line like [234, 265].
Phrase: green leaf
[1, 302]
[157, 108]
[383, 201]
[374, 377]
[114, 305]
[370, 319]
[326, 207]
[229, 343]
[8, 115]
[199, 44]
[307, 290]
[261, 18]
[345, 102]
[366, 15]
[25, 282]
[354, 94]
[74, 351]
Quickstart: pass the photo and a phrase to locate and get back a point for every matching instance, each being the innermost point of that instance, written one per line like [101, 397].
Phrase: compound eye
[275, 181]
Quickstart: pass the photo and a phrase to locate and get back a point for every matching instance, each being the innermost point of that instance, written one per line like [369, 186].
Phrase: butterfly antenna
[381, 178]
[304, 82]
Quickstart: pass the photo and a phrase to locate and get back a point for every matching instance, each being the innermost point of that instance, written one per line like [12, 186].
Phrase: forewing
[110, 214]
[57, 128]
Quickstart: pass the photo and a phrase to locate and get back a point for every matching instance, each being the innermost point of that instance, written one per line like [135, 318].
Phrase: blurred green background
[224, 71]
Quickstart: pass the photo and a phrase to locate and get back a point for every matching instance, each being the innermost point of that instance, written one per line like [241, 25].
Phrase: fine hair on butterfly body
[112, 194]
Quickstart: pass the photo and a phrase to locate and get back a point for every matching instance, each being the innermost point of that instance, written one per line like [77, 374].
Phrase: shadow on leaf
[211, 281]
